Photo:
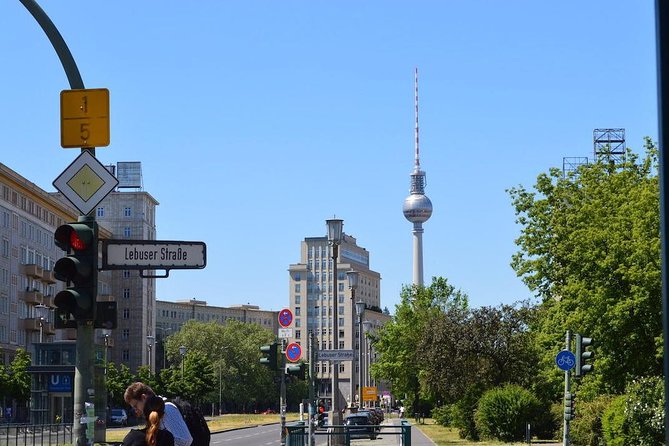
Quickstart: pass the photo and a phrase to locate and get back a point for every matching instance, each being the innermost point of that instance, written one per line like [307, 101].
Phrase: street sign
[293, 352]
[335, 355]
[285, 333]
[153, 254]
[565, 360]
[369, 393]
[85, 182]
[285, 317]
[84, 118]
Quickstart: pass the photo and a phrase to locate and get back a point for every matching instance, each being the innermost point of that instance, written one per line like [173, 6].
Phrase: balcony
[48, 301]
[106, 298]
[48, 277]
[32, 296]
[32, 270]
[30, 324]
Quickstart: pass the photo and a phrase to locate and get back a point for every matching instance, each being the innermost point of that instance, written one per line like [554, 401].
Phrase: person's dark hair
[136, 390]
[154, 411]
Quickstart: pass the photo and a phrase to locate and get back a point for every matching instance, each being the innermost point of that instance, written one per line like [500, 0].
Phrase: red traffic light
[77, 236]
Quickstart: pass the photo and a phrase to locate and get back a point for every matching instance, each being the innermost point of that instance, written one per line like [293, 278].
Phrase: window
[126, 274]
[126, 293]
[126, 333]
[126, 313]
[100, 212]
[127, 232]
[127, 212]
[297, 287]
[5, 247]
[126, 355]
[297, 300]
[297, 277]
[298, 333]
[298, 311]
[298, 323]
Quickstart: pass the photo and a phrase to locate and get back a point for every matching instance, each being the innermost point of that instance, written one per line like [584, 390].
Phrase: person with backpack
[152, 434]
[136, 396]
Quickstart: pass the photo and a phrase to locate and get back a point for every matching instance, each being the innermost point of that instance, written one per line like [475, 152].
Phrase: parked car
[360, 425]
[119, 416]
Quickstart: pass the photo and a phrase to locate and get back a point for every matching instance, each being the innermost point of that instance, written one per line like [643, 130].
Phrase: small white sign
[153, 254]
[335, 355]
[285, 332]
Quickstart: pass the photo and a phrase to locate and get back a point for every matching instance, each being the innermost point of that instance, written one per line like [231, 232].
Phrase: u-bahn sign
[153, 255]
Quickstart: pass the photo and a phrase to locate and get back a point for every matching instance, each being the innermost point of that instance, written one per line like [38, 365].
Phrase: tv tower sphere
[417, 208]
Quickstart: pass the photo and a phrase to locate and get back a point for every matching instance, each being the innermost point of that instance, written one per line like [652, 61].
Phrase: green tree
[118, 379]
[396, 343]
[590, 249]
[19, 378]
[486, 347]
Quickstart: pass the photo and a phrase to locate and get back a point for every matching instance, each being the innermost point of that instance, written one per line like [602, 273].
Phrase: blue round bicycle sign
[565, 360]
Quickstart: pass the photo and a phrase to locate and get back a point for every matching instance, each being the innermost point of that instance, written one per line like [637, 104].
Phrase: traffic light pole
[282, 403]
[567, 390]
[312, 392]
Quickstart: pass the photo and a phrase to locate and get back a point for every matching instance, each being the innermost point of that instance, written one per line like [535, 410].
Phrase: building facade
[314, 296]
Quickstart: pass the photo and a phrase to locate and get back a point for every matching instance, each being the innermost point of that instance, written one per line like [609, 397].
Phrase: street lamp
[149, 343]
[360, 309]
[367, 325]
[220, 380]
[353, 279]
[42, 312]
[182, 352]
[335, 231]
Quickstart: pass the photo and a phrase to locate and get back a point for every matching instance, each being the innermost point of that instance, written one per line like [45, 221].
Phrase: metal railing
[35, 435]
[298, 435]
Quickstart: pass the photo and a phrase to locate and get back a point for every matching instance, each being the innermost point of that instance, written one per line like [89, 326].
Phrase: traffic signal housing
[78, 268]
[297, 370]
[583, 355]
[569, 406]
[271, 354]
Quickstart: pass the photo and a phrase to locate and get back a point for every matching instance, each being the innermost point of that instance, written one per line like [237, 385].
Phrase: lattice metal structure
[609, 145]
[572, 163]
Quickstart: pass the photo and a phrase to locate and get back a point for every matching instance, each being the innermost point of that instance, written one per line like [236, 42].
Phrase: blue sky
[257, 120]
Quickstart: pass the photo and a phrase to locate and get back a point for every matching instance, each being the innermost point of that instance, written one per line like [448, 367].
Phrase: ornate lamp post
[150, 340]
[335, 231]
[42, 312]
[182, 352]
[360, 309]
[367, 325]
[353, 279]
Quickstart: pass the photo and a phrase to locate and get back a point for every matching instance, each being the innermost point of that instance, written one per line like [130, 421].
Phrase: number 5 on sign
[84, 118]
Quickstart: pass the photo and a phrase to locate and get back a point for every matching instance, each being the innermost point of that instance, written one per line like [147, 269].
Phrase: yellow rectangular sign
[369, 393]
[84, 118]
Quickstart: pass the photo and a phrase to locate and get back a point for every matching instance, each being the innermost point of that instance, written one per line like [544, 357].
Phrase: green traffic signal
[297, 370]
[583, 355]
[270, 360]
[78, 269]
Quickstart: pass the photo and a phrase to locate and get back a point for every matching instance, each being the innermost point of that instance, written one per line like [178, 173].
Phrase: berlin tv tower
[417, 207]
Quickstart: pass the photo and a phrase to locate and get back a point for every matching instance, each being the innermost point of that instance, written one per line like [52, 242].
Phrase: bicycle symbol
[566, 360]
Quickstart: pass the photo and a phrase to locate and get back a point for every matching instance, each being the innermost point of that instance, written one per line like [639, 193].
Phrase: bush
[586, 427]
[613, 422]
[463, 413]
[503, 413]
[443, 415]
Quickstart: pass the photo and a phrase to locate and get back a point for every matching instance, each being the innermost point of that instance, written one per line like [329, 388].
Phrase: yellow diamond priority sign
[85, 182]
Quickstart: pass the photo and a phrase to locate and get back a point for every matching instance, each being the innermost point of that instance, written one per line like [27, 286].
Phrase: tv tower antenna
[417, 207]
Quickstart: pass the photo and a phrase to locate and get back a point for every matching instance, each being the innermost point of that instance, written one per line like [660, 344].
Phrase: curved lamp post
[353, 280]
[360, 309]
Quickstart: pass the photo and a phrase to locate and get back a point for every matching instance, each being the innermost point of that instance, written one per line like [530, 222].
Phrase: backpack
[197, 425]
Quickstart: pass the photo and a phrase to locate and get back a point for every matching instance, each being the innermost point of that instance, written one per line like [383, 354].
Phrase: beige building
[170, 316]
[313, 299]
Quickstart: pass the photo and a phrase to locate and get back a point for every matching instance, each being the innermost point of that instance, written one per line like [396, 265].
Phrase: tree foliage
[590, 249]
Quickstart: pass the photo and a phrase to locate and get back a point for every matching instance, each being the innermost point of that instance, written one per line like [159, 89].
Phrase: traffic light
[297, 370]
[582, 355]
[569, 406]
[270, 360]
[78, 269]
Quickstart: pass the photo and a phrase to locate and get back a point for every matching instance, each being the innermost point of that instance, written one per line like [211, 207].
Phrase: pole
[283, 392]
[312, 383]
[336, 414]
[360, 358]
[220, 384]
[351, 390]
[567, 389]
[662, 42]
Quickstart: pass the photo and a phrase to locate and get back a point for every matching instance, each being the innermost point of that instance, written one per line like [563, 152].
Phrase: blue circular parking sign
[565, 360]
